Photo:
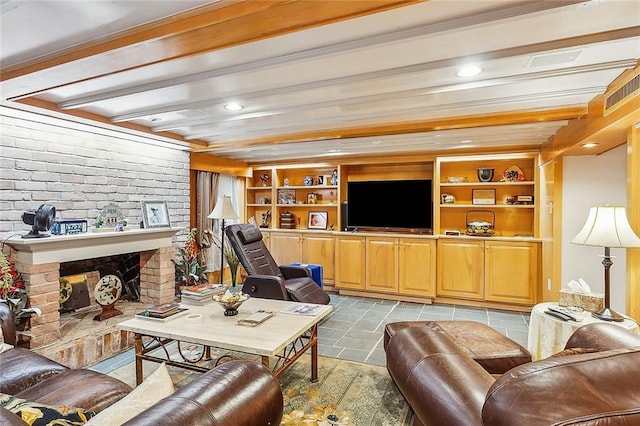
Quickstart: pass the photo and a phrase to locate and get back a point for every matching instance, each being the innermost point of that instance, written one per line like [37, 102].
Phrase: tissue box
[592, 302]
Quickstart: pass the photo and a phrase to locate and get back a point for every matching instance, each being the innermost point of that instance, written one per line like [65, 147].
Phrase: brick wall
[80, 170]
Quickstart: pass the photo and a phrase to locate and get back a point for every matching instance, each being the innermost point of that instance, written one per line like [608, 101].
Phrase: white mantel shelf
[89, 245]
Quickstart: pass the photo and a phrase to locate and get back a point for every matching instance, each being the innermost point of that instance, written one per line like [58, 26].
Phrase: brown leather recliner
[266, 279]
[594, 381]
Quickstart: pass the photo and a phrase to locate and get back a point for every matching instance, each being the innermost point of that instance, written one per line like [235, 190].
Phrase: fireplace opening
[84, 274]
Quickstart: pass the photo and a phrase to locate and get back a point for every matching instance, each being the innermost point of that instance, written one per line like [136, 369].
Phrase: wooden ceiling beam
[195, 32]
[464, 122]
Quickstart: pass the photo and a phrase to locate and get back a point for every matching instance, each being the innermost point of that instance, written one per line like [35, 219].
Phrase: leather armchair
[592, 382]
[266, 279]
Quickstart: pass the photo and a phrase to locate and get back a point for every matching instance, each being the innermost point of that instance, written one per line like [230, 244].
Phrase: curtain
[206, 195]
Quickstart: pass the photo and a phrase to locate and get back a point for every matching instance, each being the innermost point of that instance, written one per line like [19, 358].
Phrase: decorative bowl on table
[231, 302]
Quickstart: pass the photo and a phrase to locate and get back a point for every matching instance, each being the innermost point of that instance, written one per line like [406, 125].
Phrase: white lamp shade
[607, 226]
[223, 209]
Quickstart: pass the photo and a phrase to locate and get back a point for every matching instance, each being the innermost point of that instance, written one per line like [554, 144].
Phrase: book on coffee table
[162, 317]
[256, 318]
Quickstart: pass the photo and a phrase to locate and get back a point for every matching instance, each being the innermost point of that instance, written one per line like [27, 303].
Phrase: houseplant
[13, 292]
[229, 257]
[190, 267]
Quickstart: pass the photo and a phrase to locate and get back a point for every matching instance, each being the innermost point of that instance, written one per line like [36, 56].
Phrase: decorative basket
[478, 227]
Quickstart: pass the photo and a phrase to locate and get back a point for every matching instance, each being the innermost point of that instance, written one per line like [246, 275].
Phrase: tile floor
[354, 330]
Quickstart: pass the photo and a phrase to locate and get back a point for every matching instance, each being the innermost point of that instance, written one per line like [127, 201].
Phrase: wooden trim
[609, 132]
[211, 163]
[633, 213]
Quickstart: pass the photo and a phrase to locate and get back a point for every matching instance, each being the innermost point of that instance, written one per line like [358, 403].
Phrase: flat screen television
[403, 204]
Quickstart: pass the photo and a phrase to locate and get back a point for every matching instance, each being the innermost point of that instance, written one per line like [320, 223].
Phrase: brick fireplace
[39, 262]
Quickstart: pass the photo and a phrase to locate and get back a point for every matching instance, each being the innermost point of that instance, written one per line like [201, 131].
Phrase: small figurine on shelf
[265, 179]
[334, 177]
[265, 219]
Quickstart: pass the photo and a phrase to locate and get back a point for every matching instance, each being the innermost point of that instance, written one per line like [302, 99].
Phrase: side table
[548, 335]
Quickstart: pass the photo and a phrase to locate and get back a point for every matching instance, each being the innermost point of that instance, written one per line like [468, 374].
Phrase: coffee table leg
[265, 362]
[314, 354]
[138, 345]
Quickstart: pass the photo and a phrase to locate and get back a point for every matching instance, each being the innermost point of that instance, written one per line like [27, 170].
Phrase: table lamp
[223, 210]
[607, 226]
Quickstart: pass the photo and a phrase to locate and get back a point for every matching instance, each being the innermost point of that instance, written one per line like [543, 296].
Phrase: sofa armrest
[265, 287]
[235, 393]
[21, 368]
[603, 337]
[289, 272]
[7, 325]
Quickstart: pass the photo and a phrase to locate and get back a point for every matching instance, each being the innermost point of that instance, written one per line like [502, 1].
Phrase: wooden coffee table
[284, 337]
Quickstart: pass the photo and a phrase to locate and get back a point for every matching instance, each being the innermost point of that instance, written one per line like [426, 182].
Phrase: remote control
[558, 315]
[551, 308]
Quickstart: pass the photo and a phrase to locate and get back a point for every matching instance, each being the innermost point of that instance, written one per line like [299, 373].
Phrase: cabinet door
[350, 262]
[417, 267]
[382, 264]
[511, 271]
[286, 248]
[461, 269]
[320, 250]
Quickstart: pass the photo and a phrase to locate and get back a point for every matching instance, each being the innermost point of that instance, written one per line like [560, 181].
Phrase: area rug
[356, 393]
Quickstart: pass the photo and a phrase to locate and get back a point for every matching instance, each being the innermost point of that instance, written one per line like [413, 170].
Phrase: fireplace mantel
[89, 245]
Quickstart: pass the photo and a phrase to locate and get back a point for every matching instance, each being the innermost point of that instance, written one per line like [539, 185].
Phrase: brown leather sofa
[594, 381]
[237, 392]
[265, 278]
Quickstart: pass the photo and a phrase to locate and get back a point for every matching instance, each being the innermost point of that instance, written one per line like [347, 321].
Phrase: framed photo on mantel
[155, 214]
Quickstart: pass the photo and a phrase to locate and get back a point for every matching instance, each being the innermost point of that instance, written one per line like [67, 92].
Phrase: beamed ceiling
[322, 80]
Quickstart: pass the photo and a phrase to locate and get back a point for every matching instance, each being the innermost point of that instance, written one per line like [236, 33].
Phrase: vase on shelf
[485, 174]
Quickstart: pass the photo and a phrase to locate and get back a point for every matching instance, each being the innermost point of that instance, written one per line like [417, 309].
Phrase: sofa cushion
[38, 414]
[495, 352]
[155, 387]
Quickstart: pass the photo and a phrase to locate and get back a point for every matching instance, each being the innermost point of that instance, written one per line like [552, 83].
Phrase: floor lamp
[223, 210]
[607, 226]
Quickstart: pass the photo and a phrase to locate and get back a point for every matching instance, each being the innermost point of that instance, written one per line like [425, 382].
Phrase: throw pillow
[37, 414]
[155, 387]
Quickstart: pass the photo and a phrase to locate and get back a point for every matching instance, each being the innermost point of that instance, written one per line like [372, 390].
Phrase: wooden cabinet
[417, 267]
[286, 248]
[319, 249]
[511, 271]
[350, 262]
[461, 269]
[494, 271]
[382, 264]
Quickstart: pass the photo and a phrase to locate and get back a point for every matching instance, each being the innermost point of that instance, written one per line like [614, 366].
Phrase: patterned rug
[358, 394]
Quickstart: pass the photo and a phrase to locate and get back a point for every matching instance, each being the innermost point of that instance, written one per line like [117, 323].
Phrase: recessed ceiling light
[589, 144]
[234, 106]
[469, 71]
[378, 142]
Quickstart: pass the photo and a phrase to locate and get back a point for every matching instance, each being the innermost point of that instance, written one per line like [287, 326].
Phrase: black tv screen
[390, 204]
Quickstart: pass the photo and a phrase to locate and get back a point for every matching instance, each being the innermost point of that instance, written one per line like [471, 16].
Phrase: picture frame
[155, 214]
[317, 220]
[483, 196]
[286, 196]
[451, 232]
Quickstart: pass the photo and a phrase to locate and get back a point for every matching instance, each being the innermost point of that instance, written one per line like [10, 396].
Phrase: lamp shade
[223, 209]
[607, 226]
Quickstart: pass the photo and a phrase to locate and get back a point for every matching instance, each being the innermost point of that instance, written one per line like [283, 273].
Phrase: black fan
[41, 220]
